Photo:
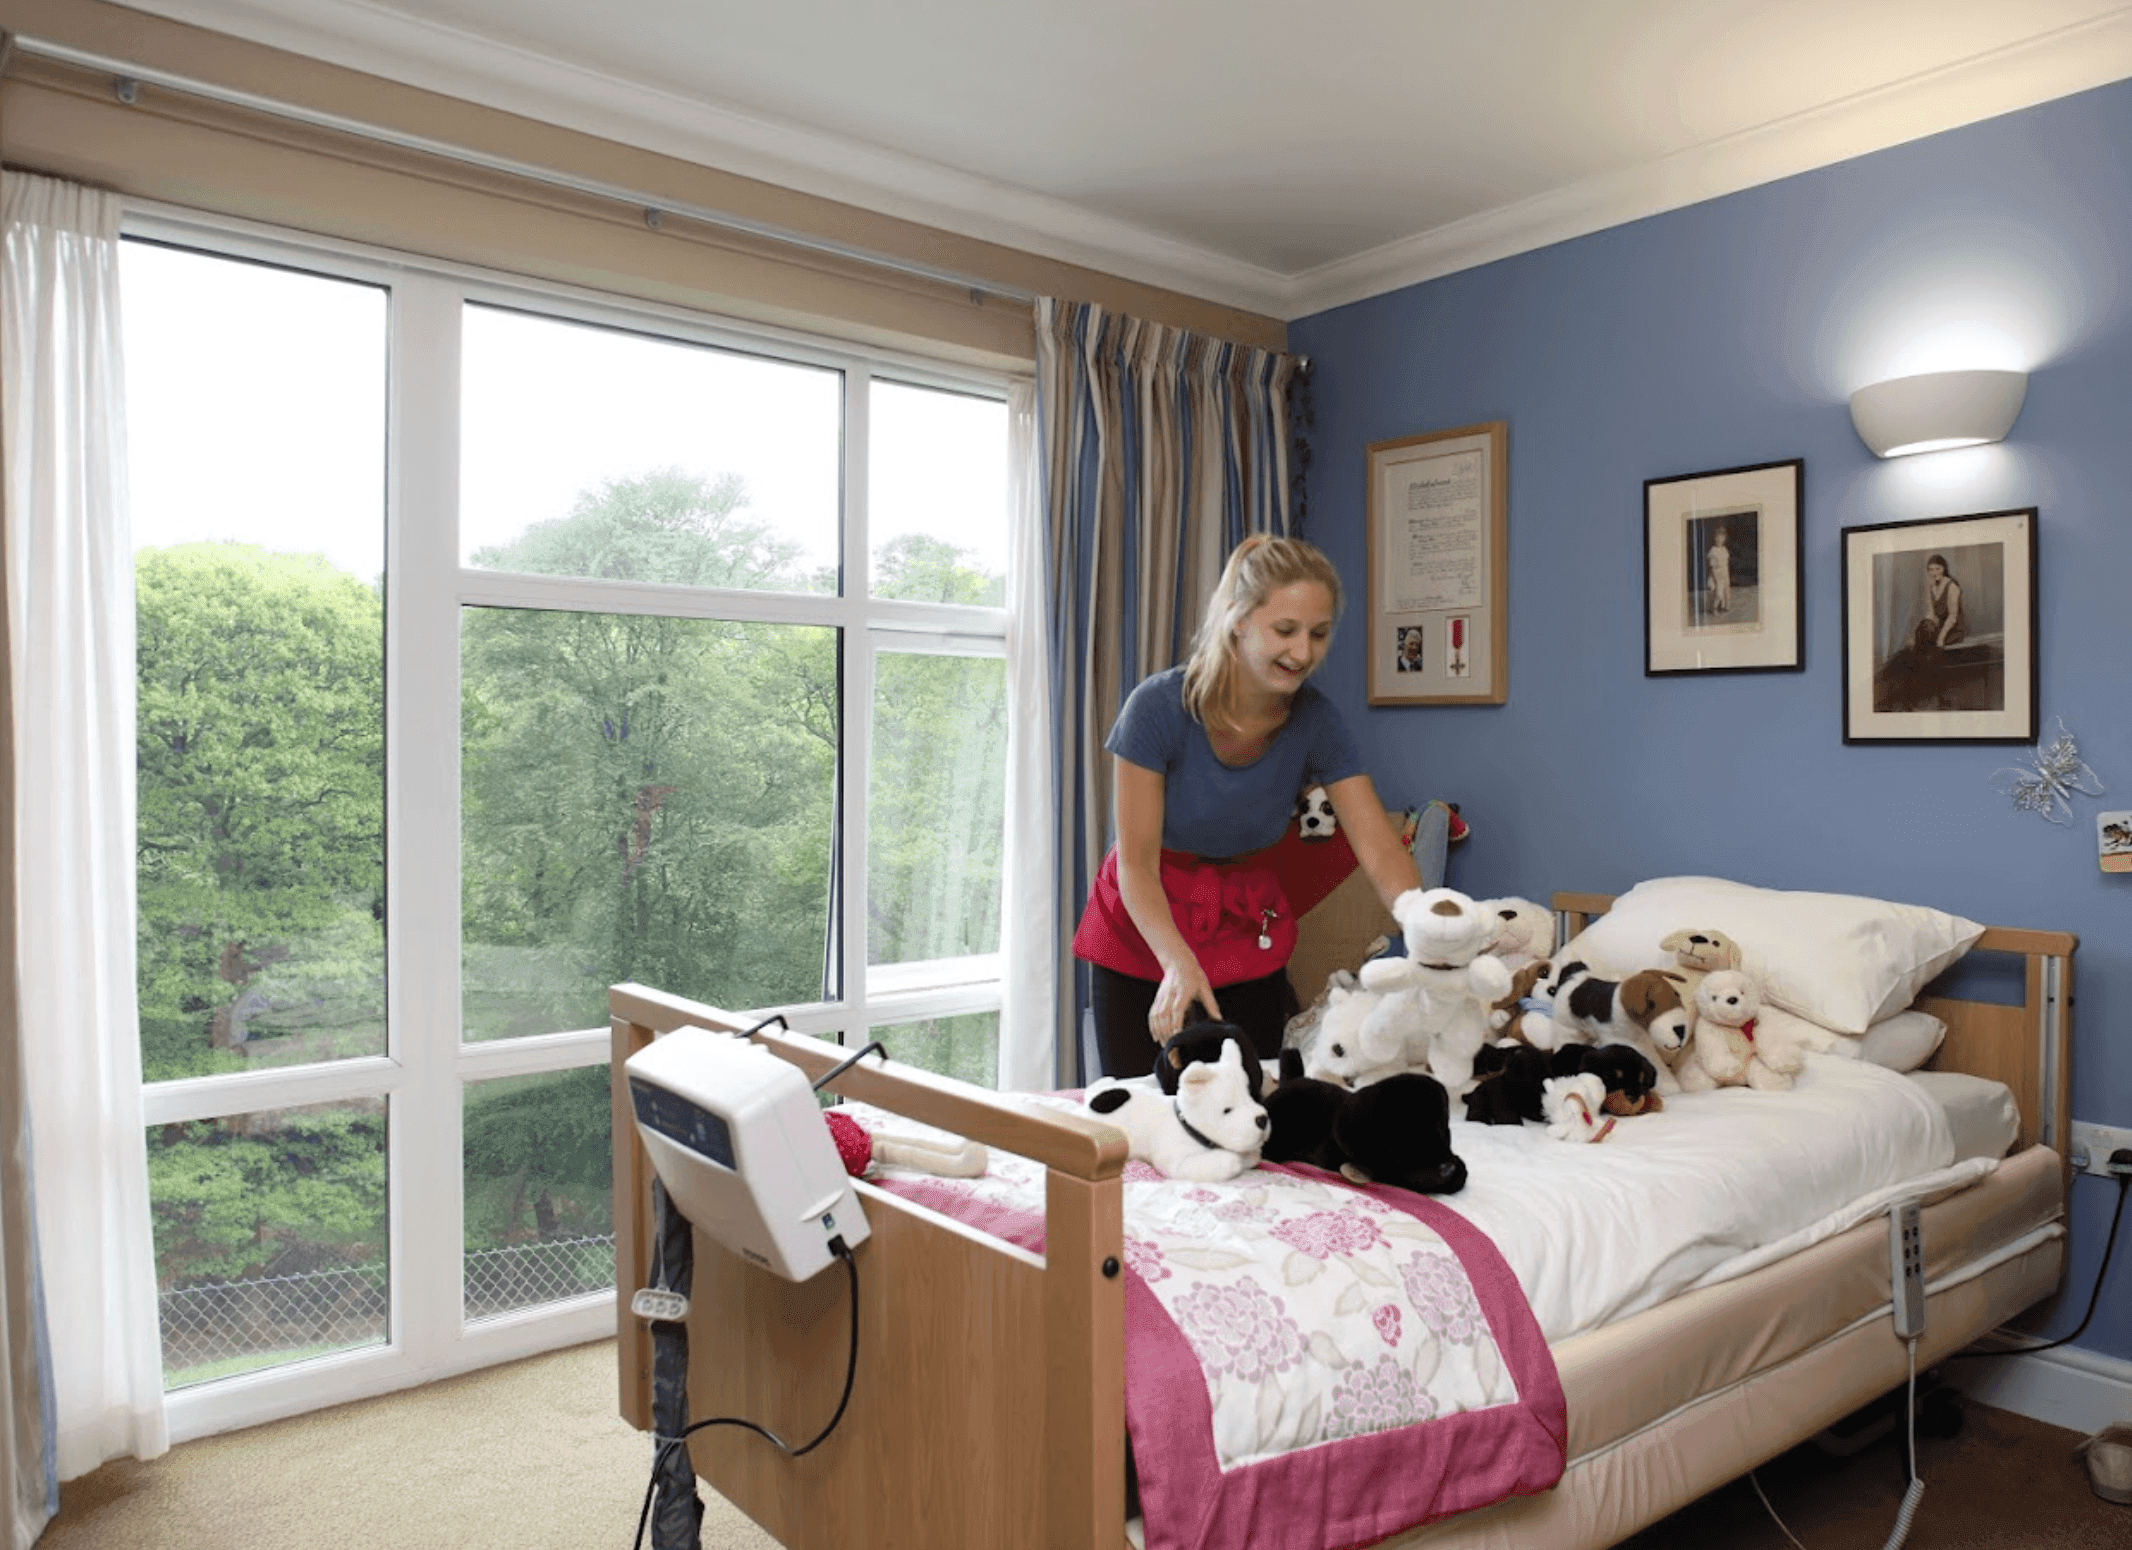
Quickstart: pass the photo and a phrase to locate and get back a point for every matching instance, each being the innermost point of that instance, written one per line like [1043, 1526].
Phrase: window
[497, 646]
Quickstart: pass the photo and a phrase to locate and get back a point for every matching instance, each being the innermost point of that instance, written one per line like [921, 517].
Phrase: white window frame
[426, 1067]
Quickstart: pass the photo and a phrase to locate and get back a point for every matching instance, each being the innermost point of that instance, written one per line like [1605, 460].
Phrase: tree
[646, 797]
[260, 755]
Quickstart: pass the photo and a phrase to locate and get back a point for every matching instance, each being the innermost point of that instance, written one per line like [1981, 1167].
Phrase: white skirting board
[2068, 1387]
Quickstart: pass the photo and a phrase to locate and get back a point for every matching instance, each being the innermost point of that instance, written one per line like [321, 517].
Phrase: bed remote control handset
[1906, 1268]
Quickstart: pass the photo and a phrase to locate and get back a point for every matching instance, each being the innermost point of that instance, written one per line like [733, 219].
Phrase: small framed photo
[2113, 841]
[1722, 578]
[1939, 630]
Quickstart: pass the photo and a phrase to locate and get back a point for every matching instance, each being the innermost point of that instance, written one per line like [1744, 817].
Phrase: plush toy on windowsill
[861, 1148]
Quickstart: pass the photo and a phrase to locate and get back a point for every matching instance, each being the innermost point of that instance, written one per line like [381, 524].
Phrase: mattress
[1679, 1399]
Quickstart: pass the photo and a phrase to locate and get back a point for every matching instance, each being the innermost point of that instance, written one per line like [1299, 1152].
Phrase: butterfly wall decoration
[2058, 772]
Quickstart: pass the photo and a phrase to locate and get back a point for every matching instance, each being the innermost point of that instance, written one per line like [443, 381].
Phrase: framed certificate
[1438, 558]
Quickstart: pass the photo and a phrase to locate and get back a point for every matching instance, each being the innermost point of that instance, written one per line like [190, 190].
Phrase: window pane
[644, 799]
[966, 1047]
[257, 441]
[935, 806]
[269, 1237]
[937, 495]
[538, 1169]
[596, 453]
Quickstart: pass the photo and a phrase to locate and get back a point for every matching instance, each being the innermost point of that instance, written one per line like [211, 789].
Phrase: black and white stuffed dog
[1396, 1131]
[1210, 1130]
[1645, 1011]
[1205, 1041]
[1314, 818]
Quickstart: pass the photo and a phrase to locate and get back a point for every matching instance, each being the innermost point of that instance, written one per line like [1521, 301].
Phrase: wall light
[1937, 410]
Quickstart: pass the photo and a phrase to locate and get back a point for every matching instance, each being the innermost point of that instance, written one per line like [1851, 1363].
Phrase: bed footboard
[988, 1406]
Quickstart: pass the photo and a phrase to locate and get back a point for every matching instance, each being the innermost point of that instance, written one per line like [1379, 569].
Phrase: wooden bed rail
[974, 1356]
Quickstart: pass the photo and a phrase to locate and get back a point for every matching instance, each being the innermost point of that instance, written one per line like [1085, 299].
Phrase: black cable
[2102, 1270]
[842, 1066]
[838, 1247]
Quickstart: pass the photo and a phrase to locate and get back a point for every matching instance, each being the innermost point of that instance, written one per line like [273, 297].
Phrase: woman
[1942, 625]
[1208, 759]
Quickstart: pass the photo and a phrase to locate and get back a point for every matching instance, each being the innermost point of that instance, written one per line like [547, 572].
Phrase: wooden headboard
[2025, 1045]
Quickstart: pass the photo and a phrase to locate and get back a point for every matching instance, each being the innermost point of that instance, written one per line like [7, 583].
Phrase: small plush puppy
[1205, 1041]
[1396, 1131]
[1644, 1011]
[1631, 1081]
[1209, 1131]
[1314, 816]
[1527, 1013]
[1508, 1079]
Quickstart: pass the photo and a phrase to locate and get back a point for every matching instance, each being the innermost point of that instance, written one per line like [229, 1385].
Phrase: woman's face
[1934, 570]
[1282, 641]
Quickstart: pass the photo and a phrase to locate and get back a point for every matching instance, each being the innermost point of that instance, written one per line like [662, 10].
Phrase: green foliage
[539, 1163]
[261, 808]
[268, 1194]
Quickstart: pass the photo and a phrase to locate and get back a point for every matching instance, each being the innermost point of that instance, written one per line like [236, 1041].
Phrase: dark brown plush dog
[1631, 1080]
[1203, 1041]
[1509, 1080]
[1396, 1131]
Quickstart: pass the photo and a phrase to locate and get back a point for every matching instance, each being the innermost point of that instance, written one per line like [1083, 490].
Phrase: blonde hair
[1258, 567]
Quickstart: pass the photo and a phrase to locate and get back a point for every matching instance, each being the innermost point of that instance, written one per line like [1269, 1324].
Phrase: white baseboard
[2068, 1387]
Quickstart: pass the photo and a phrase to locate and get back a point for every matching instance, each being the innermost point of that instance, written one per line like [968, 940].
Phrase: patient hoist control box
[738, 1139]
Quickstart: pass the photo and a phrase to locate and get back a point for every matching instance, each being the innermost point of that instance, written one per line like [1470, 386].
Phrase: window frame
[427, 1066]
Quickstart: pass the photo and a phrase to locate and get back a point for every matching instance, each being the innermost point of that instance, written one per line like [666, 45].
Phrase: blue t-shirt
[1213, 809]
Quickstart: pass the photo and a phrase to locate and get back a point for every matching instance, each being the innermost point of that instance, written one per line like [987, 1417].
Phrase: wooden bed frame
[988, 1407]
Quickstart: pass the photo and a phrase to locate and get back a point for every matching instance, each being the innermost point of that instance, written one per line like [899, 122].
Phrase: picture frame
[1939, 630]
[1438, 562]
[1723, 574]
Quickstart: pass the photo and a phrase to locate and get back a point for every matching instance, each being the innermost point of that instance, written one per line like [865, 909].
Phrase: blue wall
[1731, 333]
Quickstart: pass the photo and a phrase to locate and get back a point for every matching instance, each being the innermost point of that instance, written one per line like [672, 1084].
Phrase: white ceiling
[1281, 157]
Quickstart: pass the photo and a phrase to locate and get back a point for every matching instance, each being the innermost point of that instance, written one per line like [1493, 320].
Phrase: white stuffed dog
[1524, 931]
[1314, 816]
[1438, 996]
[1726, 1052]
[1210, 1131]
[1335, 1051]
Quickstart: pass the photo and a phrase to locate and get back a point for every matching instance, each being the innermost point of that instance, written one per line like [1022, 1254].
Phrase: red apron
[1225, 910]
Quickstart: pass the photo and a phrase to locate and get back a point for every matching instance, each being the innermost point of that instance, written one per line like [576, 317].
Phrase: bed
[965, 1429]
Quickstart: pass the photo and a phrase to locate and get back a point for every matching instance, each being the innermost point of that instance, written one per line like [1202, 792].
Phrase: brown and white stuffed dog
[1527, 1013]
[1645, 1011]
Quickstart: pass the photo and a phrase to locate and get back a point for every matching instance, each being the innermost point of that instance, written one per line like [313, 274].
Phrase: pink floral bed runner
[1307, 1363]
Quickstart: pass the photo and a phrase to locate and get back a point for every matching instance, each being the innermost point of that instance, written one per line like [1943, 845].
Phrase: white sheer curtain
[70, 638]
[1029, 929]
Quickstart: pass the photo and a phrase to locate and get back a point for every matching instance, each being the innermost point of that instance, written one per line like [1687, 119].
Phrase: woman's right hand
[1182, 984]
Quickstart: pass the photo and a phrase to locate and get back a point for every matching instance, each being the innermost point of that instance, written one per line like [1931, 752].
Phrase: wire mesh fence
[230, 1326]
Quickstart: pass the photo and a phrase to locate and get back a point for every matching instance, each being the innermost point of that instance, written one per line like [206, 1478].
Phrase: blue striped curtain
[1160, 450]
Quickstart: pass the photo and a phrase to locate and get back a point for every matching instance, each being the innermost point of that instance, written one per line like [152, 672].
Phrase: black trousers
[1260, 1007]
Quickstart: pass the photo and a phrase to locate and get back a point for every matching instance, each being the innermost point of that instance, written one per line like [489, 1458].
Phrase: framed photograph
[1939, 630]
[1723, 588]
[1438, 552]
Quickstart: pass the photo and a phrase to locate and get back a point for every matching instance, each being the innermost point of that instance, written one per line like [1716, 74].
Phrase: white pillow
[1836, 959]
[1902, 1042]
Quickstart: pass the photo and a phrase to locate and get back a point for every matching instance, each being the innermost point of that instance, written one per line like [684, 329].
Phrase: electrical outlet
[2099, 1141]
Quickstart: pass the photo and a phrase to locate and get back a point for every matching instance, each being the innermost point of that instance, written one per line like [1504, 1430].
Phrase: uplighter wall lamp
[1937, 410]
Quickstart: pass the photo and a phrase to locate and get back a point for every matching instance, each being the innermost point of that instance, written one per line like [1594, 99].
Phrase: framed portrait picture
[1438, 625]
[1939, 630]
[1722, 579]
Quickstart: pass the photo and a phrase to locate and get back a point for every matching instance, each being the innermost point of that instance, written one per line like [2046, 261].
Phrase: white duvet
[1716, 1185]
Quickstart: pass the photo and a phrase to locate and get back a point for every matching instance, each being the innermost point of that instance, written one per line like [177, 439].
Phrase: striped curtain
[1160, 450]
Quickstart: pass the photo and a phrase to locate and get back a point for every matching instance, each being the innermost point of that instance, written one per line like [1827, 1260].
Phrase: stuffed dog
[1439, 993]
[1527, 1013]
[1524, 931]
[1507, 1082]
[1211, 1130]
[1206, 1041]
[1630, 1080]
[1314, 816]
[1336, 1053]
[1644, 1011]
[1396, 1131]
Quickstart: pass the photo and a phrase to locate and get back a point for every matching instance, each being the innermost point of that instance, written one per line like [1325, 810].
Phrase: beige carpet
[529, 1456]
[532, 1456]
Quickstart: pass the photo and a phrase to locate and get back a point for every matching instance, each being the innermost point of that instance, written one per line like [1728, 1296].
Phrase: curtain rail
[127, 78]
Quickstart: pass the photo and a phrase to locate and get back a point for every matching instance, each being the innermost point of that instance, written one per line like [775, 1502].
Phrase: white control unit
[1906, 1268]
[739, 1142]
